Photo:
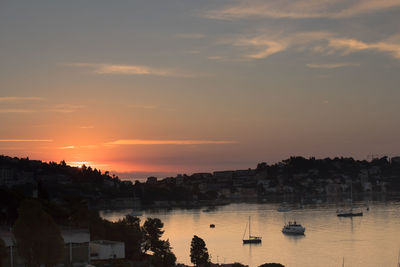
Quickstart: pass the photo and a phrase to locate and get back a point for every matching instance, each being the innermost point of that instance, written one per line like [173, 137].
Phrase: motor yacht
[293, 228]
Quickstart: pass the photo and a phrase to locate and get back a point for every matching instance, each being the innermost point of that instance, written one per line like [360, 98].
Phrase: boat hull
[251, 241]
[296, 232]
[350, 214]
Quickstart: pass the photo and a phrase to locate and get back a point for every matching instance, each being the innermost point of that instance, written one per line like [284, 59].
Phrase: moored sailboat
[251, 239]
[349, 212]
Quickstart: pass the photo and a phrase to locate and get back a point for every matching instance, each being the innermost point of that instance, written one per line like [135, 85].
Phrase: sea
[372, 240]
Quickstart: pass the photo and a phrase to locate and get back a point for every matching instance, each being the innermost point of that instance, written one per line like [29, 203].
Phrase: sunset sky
[180, 86]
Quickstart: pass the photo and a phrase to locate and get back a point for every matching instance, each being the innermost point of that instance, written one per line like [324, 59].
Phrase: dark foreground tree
[162, 254]
[164, 257]
[38, 237]
[271, 265]
[198, 252]
[3, 251]
[152, 229]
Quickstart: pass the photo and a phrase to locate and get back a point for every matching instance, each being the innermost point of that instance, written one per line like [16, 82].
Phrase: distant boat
[293, 229]
[283, 209]
[135, 213]
[212, 225]
[349, 212]
[251, 239]
[209, 209]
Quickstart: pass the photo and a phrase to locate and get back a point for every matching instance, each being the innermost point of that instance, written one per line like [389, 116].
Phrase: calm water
[369, 241]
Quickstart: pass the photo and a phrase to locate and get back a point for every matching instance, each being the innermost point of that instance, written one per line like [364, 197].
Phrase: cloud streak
[267, 44]
[331, 65]
[61, 108]
[391, 46]
[167, 142]
[77, 147]
[24, 140]
[300, 9]
[16, 110]
[66, 147]
[140, 70]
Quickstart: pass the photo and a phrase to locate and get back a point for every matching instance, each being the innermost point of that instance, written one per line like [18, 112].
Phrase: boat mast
[245, 230]
[249, 229]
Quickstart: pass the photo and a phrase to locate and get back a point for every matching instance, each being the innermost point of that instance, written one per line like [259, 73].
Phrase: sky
[147, 87]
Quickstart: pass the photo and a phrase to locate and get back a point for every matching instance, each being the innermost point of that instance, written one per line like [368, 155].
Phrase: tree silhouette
[38, 237]
[152, 233]
[162, 254]
[164, 257]
[198, 252]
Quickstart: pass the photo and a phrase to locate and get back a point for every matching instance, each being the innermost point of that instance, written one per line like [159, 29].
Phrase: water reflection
[370, 240]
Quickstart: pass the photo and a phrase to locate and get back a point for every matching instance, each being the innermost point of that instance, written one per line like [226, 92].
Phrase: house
[76, 247]
[12, 259]
[104, 249]
[77, 250]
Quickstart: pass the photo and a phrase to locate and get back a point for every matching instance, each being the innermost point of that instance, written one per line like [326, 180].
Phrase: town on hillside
[305, 178]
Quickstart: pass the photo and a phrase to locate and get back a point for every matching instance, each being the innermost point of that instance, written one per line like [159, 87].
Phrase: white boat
[251, 239]
[293, 229]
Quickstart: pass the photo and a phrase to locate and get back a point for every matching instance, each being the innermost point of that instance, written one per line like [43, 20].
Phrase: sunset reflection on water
[371, 240]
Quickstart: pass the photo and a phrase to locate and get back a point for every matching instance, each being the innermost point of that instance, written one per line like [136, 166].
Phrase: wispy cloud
[167, 142]
[17, 110]
[117, 69]
[266, 44]
[25, 140]
[263, 46]
[300, 9]
[19, 99]
[391, 45]
[66, 147]
[77, 147]
[331, 65]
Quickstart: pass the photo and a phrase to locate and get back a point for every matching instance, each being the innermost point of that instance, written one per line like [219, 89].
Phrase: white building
[77, 250]
[104, 249]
